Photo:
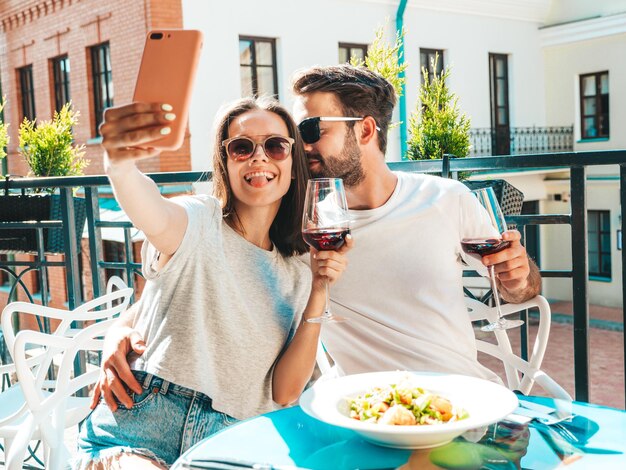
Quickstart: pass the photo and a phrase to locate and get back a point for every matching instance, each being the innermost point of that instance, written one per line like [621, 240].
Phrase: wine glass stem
[494, 289]
[327, 306]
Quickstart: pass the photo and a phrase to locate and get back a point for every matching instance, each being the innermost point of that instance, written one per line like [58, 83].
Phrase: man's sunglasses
[275, 147]
[310, 127]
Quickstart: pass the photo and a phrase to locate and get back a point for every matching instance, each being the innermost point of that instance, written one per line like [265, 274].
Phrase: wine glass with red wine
[325, 225]
[488, 244]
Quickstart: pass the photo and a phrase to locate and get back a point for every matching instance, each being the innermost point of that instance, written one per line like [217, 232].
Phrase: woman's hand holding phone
[126, 129]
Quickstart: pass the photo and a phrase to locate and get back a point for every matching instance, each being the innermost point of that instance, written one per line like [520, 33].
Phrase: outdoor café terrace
[81, 288]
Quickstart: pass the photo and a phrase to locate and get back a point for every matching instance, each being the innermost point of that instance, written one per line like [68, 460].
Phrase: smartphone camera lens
[156, 36]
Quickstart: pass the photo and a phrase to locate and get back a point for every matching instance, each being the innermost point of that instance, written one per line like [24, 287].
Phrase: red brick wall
[28, 35]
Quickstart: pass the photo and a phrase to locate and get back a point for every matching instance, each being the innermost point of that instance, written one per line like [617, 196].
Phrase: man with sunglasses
[402, 294]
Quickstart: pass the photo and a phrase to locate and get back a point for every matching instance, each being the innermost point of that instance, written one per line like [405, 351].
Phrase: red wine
[325, 239]
[483, 246]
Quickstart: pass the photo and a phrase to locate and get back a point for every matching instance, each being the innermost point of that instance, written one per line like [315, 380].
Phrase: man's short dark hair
[360, 91]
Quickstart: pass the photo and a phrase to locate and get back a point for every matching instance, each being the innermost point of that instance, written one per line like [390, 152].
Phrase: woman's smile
[258, 179]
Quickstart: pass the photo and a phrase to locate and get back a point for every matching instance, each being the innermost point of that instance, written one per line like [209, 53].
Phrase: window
[599, 241]
[113, 252]
[594, 105]
[427, 59]
[347, 51]
[102, 81]
[61, 81]
[257, 60]
[27, 92]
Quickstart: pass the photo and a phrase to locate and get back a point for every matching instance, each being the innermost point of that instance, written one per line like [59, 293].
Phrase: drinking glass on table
[487, 245]
[325, 225]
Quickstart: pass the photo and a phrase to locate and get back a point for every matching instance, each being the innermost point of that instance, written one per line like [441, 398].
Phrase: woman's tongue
[258, 181]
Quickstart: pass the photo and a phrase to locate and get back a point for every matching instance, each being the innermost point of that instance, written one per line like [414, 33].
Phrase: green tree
[384, 58]
[438, 126]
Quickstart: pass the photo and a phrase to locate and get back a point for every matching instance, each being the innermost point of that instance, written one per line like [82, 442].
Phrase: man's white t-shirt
[402, 292]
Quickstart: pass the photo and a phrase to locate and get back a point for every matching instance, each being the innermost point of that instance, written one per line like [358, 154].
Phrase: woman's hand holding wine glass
[326, 227]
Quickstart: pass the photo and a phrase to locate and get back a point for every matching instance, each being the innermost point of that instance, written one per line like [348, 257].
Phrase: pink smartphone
[166, 75]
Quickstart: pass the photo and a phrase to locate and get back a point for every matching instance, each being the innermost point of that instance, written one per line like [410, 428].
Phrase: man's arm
[119, 341]
[517, 276]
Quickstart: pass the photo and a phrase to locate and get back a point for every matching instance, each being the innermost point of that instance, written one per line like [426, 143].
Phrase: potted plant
[439, 128]
[49, 150]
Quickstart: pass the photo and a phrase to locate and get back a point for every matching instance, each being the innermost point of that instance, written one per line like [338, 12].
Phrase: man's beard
[346, 166]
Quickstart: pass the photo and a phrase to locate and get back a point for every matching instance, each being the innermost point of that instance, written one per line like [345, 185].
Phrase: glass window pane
[500, 69]
[501, 87]
[604, 84]
[246, 81]
[343, 55]
[594, 264]
[606, 242]
[265, 81]
[604, 124]
[593, 242]
[592, 220]
[109, 101]
[589, 127]
[589, 106]
[606, 264]
[245, 52]
[264, 53]
[589, 85]
[502, 118]
[357, 52]
[605, 221]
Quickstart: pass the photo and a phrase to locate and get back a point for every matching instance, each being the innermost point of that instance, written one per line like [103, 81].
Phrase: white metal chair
[514, 365]
[37, 408]
[520, 374]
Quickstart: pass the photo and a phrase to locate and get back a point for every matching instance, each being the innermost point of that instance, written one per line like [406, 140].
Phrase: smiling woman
[221, 273]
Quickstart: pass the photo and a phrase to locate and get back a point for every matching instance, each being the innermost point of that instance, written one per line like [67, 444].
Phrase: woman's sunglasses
[310, 127]
[275, 147]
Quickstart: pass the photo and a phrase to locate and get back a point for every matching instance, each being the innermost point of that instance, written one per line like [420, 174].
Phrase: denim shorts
[164, 421]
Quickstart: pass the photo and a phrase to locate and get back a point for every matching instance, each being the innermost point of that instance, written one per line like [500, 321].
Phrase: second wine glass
[325, 225]
[487, 245]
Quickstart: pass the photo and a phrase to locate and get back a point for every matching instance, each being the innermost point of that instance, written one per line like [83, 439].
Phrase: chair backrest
[520, 374]
[45, 400]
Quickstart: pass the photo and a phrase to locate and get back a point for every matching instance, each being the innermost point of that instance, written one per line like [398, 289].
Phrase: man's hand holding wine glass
[512, 268]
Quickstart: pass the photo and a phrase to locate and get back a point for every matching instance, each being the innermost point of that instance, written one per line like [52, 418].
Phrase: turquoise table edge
[292, 438]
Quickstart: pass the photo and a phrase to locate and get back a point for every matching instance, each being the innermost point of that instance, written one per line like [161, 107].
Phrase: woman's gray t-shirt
[219, 313]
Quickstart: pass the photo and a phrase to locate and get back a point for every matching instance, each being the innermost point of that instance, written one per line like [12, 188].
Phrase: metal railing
[524, 140]
[576, 162]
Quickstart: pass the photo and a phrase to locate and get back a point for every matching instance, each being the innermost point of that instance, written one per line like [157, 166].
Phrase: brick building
[86, 51]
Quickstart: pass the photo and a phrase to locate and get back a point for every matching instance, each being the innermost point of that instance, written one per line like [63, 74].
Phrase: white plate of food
[408, 410]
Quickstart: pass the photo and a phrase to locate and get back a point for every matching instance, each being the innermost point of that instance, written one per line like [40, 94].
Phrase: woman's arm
[295, 366]
[120, 340]
[123, 131]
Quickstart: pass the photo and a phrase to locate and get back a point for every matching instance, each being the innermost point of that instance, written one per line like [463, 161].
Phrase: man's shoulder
[421, 181]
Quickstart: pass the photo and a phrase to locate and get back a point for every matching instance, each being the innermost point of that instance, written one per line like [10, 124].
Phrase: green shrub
[48, 147]
[438, 126]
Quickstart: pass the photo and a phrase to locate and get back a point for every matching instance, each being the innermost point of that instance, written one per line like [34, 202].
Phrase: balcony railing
[523, 140]
[577, 163]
